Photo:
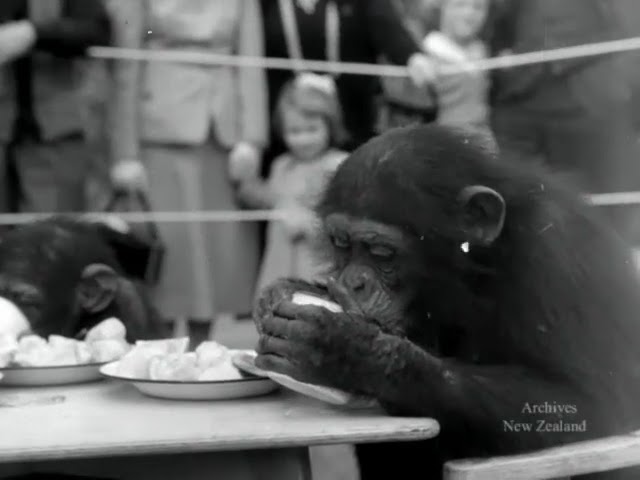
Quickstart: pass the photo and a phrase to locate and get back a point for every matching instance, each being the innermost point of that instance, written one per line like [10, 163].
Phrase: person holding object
[190, 135]
[46, 159]
[309, 119]
[340, 31]
[462, 98]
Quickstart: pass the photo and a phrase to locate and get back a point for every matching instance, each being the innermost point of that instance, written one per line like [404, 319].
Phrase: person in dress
[462, 98]
[189, 134]
[308, 120]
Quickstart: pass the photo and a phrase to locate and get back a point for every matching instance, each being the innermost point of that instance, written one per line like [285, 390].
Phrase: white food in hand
[175, 366]
[108, 329]
[108, 350]
[14, 322]
[301, 298]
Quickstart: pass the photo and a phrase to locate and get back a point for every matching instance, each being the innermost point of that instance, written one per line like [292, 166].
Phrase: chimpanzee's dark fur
[547, 316]
[41, 264]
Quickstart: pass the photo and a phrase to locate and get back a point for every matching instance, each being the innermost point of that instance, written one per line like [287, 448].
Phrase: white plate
[47, 376]
[245, 361]
[207, 390]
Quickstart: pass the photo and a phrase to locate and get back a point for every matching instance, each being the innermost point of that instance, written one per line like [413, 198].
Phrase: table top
[110, 419]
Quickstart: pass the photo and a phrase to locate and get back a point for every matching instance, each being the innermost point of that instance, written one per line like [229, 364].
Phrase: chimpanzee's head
[64, 277]
[414, 219]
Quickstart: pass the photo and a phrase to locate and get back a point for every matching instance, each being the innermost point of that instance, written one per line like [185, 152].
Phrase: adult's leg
[185, 288]
[233, 247]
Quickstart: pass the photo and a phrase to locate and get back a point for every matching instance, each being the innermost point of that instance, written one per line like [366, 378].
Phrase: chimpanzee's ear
[482, 214]
[98, 288]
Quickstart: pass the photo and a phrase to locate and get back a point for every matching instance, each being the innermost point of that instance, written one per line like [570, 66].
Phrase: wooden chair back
[560, 463]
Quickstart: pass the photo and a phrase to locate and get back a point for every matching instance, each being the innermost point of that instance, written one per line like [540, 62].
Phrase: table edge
[430, 428]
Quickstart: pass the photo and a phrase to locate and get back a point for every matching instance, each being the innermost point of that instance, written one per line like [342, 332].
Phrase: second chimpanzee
[63, 275]
[478, 291]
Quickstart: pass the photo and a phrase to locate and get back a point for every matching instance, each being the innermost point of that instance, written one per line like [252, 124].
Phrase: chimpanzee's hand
[274, 294]
[314, 345]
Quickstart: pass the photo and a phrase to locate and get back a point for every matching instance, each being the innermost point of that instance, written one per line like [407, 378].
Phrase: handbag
[140, 249]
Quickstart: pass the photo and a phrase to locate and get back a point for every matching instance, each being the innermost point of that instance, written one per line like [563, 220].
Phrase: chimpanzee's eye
[339, 241]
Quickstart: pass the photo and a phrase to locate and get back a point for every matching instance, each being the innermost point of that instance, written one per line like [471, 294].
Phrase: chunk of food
[302, 298]
[62, 351]
[165, 346]
[83, 353]
[108, 329]
[223, 371]
[174, 366]
[168, 360]
[211, 354]
[108, 350]
[8, 348]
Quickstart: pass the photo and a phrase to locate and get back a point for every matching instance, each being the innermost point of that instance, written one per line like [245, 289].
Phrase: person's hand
[311, 344]
[129, 175]
[244, 162]
[422, 69]
[16, 39]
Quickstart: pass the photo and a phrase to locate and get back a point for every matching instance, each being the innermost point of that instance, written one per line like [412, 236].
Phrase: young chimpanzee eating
[477, 291]
[64, 277]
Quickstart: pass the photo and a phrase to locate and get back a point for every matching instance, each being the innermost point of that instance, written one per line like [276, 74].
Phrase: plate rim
[253, 378]
[51, 367]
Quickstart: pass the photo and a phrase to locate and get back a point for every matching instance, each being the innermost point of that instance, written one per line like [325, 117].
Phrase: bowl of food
[165, 369]
[32, 360]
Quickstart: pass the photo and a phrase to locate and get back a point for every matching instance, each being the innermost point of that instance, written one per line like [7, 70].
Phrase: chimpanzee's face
[369, 259]
[26, 298]
[62, 278]
[53, 303]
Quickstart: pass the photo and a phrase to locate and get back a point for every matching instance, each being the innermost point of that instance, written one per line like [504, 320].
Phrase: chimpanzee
[64, 276]
[478, 291]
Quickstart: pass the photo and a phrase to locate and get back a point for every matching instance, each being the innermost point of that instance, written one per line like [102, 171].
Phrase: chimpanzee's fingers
[303, 313]
[291, 329]
[268, 345]
[341, 295]
[274, 363]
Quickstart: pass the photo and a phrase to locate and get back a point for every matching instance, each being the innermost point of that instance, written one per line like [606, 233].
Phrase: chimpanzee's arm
[496, 400]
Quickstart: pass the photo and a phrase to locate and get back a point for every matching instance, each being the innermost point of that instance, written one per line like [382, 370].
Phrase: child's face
[463, 19]
[306, 136]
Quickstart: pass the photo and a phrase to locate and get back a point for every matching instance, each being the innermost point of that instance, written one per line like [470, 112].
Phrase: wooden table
[68, 425]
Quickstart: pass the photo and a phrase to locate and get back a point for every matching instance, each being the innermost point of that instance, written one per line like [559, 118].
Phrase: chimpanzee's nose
[356, 280]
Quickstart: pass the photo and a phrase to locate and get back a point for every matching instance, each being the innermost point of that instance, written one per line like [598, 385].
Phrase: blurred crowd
[79, 133]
